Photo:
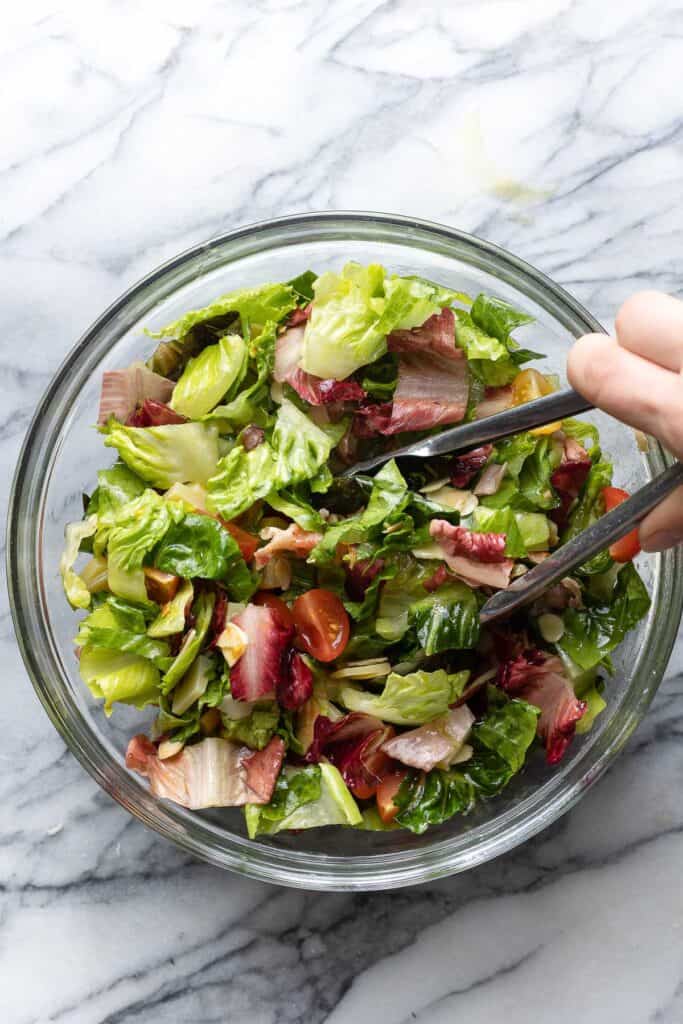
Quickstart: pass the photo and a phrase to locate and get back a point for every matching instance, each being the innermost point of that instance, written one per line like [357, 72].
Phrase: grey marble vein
[133, 131]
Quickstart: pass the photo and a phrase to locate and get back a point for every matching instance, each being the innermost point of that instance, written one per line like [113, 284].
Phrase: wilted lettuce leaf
[198, 546]
[595, 630]
[255, 305]
[292, 504]
[75, 589]
[508, 731]
[412, 699]
[524, 531]
[139, 525]
[447, 619]
[590, 504]
[179, 453]
[380, 378]
[210, 376]
[488, 358]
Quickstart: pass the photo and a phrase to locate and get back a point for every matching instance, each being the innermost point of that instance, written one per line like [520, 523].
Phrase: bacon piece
[464, 467]
[296, 684]
[293, 540]
[438, 742]
[314, 390]
[539, 679]
[431, 391]
[212, 773]
[495, 400]
[437, 335]
[256, 675]
[458, 540]
[123, 390]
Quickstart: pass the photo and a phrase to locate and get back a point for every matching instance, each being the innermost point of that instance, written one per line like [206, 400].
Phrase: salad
[311, 643]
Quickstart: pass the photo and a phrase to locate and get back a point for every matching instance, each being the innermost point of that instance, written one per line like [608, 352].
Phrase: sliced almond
[169, 748]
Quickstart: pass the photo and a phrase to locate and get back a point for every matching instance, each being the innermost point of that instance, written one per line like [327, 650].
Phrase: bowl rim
[267, 863]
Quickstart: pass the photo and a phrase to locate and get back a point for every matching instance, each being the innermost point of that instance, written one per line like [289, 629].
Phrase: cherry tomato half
[268, 600]
[528, 385]
[321, 623]
[629, 546]
[246, 542]
[386, 791]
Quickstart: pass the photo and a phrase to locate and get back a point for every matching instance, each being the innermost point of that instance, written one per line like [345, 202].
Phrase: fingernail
[661, 541]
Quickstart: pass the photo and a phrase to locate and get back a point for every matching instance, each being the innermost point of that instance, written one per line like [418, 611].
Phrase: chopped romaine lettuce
[412, 699]
[253, 305]
[198, 546]
[180, 453]
[304, 798]
[210, 376]
[255, 730]
[592, 632]
[75, 589]
[447, 619]
[202, 610]
[172, 616]
[119, 677]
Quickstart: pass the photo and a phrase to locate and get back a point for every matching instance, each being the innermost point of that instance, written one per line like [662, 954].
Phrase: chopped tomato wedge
[321, 624]
[529, 385]
[246, 542]
[625, 549]
[386, 791]
[268, 600]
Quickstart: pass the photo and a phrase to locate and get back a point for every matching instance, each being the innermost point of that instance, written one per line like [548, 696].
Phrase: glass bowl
[62, 453]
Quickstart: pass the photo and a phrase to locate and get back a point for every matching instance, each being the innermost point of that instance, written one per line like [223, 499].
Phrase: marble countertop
[132, 131]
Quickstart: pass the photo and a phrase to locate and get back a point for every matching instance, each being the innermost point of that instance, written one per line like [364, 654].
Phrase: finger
[663, 528]
[633, 389]
[650, 324]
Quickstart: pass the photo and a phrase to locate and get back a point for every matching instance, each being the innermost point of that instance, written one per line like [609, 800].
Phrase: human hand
[638, 378]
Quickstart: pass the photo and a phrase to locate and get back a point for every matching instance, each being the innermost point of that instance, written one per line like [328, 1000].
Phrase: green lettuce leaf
[294, 506]
[497, 318]
[353, 312]
[119, 626]
[302, 286]
[115, 487]
[297, 452]
[389, 495]
[381, 377]
[487, 357]
[137, 527]
[211, 375]
[447, 619]
[198, 546]
[590, 505]
[398, 595]
[412, 699]
[77, 593]
[171, 617]
[524, 531]
[506, 732]
[308, 797]
[119, 677]
[202, 610]
[255, 730]
[253, 403]
[254, 305]
[432, 798]
[176, 454]
[594, 631]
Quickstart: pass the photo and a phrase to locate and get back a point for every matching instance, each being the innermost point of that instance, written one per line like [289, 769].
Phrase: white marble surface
[133, 130]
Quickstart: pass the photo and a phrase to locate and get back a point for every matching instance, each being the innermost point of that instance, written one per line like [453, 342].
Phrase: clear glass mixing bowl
[62, 453]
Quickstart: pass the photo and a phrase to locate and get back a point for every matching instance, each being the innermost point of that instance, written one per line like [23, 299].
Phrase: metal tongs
[608, 529]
